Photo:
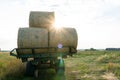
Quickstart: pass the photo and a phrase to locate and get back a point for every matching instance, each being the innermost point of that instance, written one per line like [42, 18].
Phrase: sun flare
[59, 21]
[58, 24]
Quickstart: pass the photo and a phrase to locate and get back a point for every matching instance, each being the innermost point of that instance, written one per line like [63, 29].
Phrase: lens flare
[61, 64]
[60, 46]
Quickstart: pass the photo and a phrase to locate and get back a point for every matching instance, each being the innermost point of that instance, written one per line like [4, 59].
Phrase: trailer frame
[35, 61]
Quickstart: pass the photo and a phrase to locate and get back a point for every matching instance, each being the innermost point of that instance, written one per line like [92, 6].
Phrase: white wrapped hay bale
[32, 38]
[63, 37]
[41, 19]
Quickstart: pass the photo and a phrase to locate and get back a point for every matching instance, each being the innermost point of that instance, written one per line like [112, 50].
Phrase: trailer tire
[30, 68]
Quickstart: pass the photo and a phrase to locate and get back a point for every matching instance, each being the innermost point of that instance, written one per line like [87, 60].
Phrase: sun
[58, 24]
[59, 21]
[62, 20]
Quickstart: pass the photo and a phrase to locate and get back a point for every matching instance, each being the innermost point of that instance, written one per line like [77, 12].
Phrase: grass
[85, 65]
[10, 67]
[94, 65]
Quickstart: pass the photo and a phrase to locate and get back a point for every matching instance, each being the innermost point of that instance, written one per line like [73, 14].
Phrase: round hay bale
[38, 37]
[32, 38]
[63, 37]
[41, 19]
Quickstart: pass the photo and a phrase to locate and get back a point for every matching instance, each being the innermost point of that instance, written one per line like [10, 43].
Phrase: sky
[97, 21]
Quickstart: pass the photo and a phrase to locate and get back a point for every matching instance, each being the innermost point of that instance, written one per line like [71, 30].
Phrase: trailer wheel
[30, 69]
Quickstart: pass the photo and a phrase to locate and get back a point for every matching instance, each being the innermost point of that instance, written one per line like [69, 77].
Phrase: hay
[38, 37]
[41, 19]
[64, 36]
[32, 38]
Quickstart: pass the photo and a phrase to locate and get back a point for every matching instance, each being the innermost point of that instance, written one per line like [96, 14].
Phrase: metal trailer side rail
[44, 55]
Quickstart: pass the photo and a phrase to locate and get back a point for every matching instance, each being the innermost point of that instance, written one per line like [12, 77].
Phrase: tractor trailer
[41, 45]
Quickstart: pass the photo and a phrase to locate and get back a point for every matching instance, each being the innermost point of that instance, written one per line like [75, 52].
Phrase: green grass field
[85, 65]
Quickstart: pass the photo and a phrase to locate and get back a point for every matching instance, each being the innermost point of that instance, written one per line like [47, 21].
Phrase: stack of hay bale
[42, 35]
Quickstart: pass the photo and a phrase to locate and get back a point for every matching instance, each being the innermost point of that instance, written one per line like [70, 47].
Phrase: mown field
[85, 65]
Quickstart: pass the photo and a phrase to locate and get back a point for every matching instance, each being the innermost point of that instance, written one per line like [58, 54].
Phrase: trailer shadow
[50, 74]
